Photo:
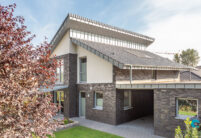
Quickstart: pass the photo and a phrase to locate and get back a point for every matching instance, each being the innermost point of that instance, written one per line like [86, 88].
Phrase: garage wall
[142, 103]
[165, 109]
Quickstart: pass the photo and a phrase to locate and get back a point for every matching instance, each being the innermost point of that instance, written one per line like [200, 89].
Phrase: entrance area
[82, 104]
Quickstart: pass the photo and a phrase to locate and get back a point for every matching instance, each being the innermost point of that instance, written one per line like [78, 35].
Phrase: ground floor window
[127, 100]
[58, 98]
[186, 108]
[98, 100]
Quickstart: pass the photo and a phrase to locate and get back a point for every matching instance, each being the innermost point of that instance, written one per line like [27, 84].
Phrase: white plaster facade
[98, 70]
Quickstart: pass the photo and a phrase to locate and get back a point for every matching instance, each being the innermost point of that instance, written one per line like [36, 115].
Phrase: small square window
[98, 100]
[186, 108]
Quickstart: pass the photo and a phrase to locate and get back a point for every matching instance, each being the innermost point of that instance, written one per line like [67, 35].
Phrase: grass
[190, 113]
[83, 132]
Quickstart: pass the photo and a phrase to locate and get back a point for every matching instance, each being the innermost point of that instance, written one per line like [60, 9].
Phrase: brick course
[124, 74]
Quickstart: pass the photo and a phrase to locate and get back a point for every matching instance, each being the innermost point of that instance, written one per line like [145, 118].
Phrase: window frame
[60, 75]
[154, 75]
[95, 101]
[129, 100]
[183, 117]
[81, 81]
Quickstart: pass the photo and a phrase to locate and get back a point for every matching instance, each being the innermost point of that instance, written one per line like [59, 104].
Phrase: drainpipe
[131, 74]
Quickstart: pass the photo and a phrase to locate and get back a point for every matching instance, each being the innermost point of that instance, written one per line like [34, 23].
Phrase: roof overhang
[55, 88]
[76, 22]
[143, 67]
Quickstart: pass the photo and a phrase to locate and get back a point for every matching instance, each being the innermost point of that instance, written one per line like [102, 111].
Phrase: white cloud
[176, 25]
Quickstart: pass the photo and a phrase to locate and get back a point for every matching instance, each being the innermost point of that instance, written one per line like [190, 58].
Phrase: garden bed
[66, 123]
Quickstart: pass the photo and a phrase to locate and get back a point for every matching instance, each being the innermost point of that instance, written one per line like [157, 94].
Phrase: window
[127, 100]
[186, 108]
[60, 72]
[154, 74]
[83, 69]
[98, 100]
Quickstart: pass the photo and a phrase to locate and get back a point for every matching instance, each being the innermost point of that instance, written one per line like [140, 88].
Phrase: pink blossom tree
[24, 68]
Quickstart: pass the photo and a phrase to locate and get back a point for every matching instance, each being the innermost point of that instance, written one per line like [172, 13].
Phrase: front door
[82, 104]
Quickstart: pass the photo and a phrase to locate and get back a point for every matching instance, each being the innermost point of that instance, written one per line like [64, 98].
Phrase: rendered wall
[98, 70]
[64, 47]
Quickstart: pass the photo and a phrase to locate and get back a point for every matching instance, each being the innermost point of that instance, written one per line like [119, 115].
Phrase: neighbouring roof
[125, 57]
[194, 75]
[55, 88]
[76, 22]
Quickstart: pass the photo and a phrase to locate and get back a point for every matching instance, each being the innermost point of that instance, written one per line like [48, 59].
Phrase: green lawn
[83, 132]
[187, 113]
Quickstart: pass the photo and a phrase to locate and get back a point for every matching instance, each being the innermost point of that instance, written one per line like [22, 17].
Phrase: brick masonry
[70, 79]
[124, 74]
[165, 109]
[108, 114]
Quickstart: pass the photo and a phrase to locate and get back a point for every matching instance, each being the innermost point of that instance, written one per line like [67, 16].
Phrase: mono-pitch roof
[77, 22]
[123, 57]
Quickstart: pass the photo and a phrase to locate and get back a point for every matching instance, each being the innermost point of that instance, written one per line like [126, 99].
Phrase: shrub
[188, 133]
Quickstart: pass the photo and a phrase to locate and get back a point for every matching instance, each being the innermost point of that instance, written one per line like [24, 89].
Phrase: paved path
[140, 128]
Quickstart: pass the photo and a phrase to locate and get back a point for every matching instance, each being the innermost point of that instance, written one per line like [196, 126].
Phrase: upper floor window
[186, 108]
[105, 39]
[154, 74]
[83, 69]
[60, 72]
[127, 100]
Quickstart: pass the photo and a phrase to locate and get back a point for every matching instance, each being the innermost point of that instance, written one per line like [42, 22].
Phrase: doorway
[82, 104]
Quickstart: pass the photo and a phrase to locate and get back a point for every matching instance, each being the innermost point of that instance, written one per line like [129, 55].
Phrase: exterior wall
[70, 79]
[98, 70]
[144, 75]
[165, 109]
[141, 101]
[108, 114]
[186, 75]
[64, 47]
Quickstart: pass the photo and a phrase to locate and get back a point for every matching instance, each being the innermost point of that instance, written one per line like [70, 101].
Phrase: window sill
[127, 108]
[183, 117]
[59, 83]
[98, 108]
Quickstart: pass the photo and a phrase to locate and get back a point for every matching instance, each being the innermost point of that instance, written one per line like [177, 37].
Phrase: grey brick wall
[124, 74]
[165, 109]
[108, 114]
[70, 79]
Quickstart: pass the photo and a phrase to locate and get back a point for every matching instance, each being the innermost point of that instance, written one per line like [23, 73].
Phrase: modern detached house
[108, 76]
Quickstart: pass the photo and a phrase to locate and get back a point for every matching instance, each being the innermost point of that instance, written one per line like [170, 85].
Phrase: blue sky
[175, 24]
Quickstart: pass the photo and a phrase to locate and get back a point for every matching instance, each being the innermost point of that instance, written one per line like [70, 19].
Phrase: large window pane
[99, 100]
[83, 69]
[127, 99]
[186, 108]
[60, 71]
